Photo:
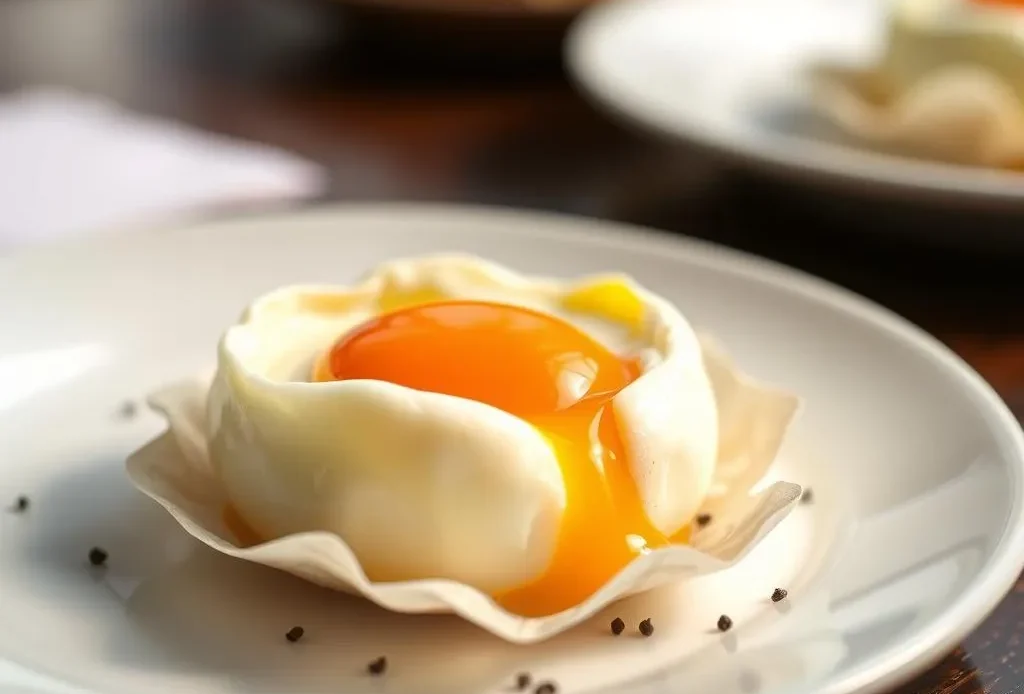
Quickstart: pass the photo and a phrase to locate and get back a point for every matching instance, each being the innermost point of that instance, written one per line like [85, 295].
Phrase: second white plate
[729, 74]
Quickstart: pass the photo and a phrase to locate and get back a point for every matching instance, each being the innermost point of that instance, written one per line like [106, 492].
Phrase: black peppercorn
[523, 680]
[97, 556]
[546, 688]
[703, 519]
[646, 628]
[807, 496]
[618, 626]
[779, 594]
[378, 666]
[294, 634]
[724, 623]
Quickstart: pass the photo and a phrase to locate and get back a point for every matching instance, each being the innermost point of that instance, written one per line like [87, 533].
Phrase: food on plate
[949, 85]
[450, 419]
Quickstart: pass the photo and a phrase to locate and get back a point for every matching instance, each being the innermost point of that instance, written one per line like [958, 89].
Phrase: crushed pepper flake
[98, 556]
[378, 666]
[127, 410]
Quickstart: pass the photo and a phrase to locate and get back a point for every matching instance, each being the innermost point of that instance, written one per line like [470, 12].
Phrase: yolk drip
[552, 375]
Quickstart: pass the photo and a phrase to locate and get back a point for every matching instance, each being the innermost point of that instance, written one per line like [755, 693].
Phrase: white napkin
[72, 164]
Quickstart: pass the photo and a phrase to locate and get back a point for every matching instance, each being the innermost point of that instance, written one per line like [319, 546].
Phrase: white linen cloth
[72, 164]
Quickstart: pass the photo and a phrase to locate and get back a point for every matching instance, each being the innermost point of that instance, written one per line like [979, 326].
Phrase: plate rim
[889, 666]
[877, 171]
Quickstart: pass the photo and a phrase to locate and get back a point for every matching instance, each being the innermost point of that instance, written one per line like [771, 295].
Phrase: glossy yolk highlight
[552, 375]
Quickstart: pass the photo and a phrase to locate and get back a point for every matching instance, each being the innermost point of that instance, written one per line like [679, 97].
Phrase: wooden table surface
[396, 109]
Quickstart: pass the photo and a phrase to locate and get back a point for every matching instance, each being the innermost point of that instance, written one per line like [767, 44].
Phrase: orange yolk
[548, 373]
[1005, 3]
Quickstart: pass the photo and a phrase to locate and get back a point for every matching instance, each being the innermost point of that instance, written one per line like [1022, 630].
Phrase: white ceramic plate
[729, 74]
[916, 466]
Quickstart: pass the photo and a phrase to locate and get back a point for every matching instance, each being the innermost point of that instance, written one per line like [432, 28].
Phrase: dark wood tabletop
[435, 108]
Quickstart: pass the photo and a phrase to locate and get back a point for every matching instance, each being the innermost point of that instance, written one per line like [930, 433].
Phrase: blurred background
[463, 101]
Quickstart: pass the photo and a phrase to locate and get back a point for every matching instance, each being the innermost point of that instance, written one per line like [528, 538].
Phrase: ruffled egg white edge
[174, 470]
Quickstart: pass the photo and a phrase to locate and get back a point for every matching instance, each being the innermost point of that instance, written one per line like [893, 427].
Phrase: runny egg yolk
[548, 373]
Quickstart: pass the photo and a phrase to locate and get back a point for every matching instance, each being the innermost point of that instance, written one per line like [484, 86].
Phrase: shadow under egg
[228, 618]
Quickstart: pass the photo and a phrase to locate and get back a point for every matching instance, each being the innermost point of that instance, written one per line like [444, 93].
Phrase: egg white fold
[418, 484]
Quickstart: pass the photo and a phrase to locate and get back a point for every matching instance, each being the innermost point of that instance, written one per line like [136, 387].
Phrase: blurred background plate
[729, 75]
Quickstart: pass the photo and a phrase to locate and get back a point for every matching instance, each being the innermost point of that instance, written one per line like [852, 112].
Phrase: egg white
[930, 35]
[428, 485]
[959, 16]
